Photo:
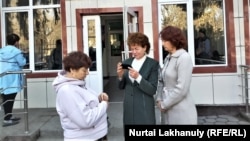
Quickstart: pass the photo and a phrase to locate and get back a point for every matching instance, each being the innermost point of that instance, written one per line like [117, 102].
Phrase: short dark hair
[174, 35]
[203, 30]
[58, 42]
[140, 39]
[76, 60]
[12, 38]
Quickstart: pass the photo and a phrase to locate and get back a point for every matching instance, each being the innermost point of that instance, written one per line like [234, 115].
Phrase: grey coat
[139, 103]
[173, 89]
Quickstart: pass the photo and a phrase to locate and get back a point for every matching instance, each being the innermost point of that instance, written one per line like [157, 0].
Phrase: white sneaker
[15, 118]
[9, 123]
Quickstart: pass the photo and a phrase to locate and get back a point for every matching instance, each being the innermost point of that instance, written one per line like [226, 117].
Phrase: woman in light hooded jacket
[82, 111]
[11, 59]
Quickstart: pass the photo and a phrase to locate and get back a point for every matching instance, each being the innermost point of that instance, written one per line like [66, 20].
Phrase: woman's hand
[119, 70]
[158, 103]
[103, 97]
[133, 73]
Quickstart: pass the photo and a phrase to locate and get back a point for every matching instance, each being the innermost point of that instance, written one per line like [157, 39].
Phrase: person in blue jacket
[11, 59]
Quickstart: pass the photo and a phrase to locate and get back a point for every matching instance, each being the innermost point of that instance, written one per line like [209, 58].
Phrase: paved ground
[44, 124]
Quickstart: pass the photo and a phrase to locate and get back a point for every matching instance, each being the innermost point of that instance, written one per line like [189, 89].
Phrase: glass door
[92, 43]
[131, 25]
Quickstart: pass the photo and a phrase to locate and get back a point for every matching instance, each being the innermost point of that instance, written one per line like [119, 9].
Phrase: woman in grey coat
[139, 82]
[173, 97]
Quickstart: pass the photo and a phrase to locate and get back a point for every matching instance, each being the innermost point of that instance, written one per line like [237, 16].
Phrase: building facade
[100, 27]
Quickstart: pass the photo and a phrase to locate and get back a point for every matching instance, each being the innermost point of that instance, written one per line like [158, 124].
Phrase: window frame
[29, 9]
[246, 14]
[230, 40]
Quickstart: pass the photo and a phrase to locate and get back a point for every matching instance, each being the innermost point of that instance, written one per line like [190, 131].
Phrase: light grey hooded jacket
[82, 116]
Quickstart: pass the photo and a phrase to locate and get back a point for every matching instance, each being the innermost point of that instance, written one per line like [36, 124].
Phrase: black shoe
[9, 123]
[15, 118]
[105, 138]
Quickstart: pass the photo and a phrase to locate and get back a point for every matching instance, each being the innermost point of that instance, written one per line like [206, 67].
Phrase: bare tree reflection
[47, 28]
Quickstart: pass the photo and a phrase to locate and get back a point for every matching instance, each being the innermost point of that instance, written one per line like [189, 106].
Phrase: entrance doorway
[107, 23]
[112, 30]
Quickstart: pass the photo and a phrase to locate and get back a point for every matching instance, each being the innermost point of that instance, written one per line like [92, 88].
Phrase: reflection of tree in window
[47, 27]
[13, 3]
[47, 30]
[209, 15]
[174, 14]
[17, 22]
[45, 2]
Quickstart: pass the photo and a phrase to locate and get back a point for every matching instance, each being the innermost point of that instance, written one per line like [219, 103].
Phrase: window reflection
[47, 30]
[55, 58]
[116, 40]
[17, 22]
[208, 21]
[209, 32]
[174, 14]
[92, 44]
[45, 2]
[15, 3]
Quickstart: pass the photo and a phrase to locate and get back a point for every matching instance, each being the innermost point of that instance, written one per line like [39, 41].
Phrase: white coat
[82, 116]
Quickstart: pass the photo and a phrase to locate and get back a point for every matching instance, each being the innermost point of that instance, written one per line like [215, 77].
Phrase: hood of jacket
[9, 52]
[61, 80]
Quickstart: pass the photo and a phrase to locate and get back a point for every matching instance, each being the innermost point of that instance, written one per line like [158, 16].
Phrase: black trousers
[8, 106]
[103, 138]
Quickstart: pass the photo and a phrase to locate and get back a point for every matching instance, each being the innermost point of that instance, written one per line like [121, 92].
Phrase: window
[228, 35]
[208, 44]
[39, 26]
[173, 14]
[92, 43]
[208, 20]
[15, 3]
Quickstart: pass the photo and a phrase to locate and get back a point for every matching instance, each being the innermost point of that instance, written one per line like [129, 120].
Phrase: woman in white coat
[82, 111]
[173, 92]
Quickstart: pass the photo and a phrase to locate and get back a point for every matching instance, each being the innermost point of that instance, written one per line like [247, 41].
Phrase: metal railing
[246, 88]
[25, 96]
[209, 61]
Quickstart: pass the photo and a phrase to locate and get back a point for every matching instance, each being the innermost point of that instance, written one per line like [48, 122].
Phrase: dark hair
[58, 43]
[175, 36]
[139, 39]
[203, 30]
[12, 39]
[76, 60]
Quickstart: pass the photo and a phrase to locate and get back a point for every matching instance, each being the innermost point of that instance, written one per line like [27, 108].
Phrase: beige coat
[173, 89]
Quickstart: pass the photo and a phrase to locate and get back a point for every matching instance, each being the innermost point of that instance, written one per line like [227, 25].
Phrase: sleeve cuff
[138, 79]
